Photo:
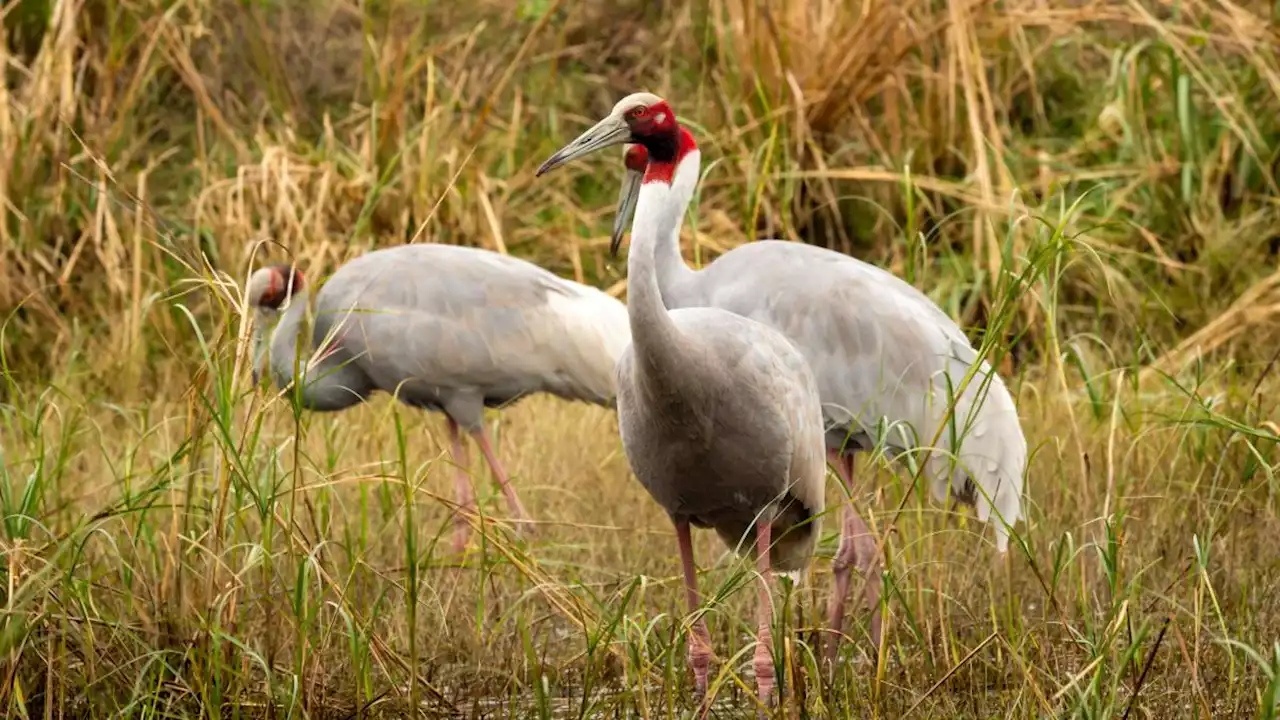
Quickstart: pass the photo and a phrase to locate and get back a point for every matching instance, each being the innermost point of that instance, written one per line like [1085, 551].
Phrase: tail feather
[594, 330]
[988, 469]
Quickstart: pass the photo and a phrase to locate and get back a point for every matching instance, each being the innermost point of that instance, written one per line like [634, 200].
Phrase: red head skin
[665, 142]
[282, 281]
[637, 158]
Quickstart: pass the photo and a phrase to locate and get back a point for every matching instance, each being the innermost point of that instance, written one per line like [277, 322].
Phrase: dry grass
[1094, 183]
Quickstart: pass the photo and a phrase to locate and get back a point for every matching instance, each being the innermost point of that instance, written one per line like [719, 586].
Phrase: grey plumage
[722, 426]
[719, 414]
[886, 360]
[443, 328]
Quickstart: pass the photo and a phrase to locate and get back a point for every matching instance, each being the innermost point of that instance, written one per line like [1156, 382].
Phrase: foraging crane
[719, 414]
[879, 348]
[444, 328]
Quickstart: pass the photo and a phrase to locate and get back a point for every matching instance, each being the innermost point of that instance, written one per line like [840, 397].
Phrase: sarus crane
[719, 414]
[443, 328]
[886, 358]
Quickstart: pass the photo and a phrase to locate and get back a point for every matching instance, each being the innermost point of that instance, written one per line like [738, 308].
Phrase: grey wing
[458, 319]
[872, 353]
[776, 391]
[790, 381]
[770, 385]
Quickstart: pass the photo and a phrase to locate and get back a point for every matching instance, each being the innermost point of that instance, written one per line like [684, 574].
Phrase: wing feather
[465, 319]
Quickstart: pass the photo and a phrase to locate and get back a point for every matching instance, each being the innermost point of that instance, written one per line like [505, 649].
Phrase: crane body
[443, 328]
[719, 414]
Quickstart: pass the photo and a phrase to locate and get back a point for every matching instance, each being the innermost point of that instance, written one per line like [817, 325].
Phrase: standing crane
[886, 358]
[719, 414]
[443, 328]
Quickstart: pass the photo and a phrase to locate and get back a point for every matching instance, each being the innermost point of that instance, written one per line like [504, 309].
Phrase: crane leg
[763, 660]
[462, 489]
[857, 546]
[504, 482]
[699, 639]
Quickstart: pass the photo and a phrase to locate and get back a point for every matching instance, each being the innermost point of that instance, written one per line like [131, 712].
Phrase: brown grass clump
[1094, 183]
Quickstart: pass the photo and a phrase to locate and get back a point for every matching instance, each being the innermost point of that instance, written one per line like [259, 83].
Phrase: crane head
[642, 118]
[271, 286]
[645, 121]
[637, 160]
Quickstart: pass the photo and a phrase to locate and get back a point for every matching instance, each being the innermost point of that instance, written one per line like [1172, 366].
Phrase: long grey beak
[612, 130]
[627, 199]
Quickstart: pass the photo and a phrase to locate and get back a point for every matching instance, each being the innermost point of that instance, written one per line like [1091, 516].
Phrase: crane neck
[264, 321]
[674, 274]
[660, 208]
[674, 161]
[280, 342]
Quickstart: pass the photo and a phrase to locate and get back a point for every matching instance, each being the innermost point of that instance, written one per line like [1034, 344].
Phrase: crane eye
[639, 111]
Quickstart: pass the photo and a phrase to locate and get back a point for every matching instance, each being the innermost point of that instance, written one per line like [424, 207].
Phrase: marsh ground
[1089, 188]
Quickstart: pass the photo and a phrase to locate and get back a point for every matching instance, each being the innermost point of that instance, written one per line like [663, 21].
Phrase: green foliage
[1091, 191]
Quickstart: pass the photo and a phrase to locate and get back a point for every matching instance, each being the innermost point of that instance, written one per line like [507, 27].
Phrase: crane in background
[442, 328]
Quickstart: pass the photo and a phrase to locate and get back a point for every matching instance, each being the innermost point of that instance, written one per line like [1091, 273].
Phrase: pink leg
[764, 610]
[517, 509]
[700, 640]
[462, 490]
[857, 545]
